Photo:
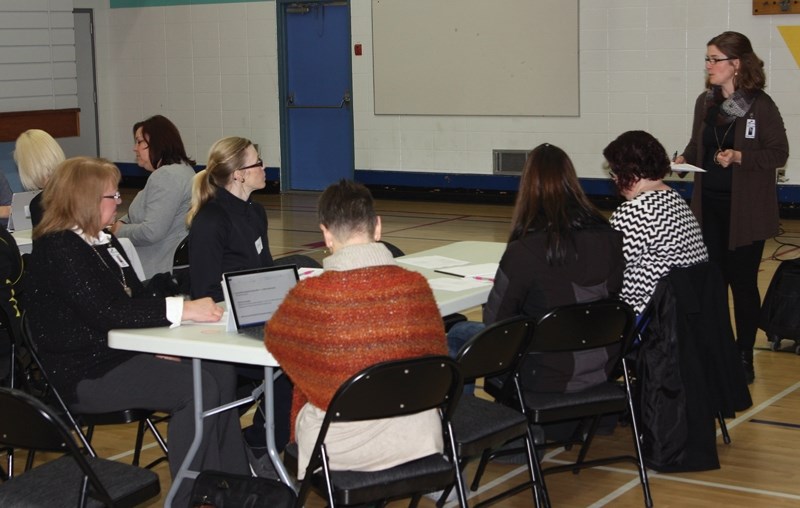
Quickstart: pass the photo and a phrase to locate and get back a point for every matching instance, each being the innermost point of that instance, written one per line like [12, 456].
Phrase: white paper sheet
[455, 284]
[432, 262]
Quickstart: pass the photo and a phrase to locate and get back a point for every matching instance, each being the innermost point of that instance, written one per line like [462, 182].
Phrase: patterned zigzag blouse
[660, 232]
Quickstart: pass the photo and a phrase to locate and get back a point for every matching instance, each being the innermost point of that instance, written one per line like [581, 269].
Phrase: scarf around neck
[735, 106]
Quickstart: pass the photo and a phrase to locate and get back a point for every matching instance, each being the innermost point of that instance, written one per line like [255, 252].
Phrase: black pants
[163, 385]
[250, 375]
[739, 269]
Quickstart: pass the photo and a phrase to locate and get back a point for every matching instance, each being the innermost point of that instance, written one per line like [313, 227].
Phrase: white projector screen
[476, 57]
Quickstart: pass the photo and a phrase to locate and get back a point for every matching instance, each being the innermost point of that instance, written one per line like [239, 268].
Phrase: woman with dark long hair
[561, 251]
[155, 220]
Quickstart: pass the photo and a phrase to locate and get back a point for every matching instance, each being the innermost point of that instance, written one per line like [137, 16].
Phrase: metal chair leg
[726, 438]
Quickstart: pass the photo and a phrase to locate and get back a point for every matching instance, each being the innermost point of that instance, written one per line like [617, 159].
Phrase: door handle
[344, 104]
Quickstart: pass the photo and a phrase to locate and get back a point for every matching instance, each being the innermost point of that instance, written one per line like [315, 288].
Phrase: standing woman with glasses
[228, 231]
[156, 220]
[738, 137]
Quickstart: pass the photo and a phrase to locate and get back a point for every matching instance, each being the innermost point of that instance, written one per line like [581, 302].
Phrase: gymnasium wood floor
[758, 467]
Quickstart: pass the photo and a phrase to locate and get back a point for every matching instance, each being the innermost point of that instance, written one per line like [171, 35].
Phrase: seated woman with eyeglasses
[80, 285]
[228, 231]
[660, 231]
[156, 219]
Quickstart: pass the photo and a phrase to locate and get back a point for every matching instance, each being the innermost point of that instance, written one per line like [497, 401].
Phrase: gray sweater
[157, 217]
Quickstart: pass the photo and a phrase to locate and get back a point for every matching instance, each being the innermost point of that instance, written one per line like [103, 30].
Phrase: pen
[488, 279]
[674, 156]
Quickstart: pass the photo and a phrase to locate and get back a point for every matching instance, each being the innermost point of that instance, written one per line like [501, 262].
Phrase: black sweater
[225, 237]
[74, 299]
[526, 284]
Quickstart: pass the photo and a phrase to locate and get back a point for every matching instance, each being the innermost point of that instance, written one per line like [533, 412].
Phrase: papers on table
[683, 168]
[432, 262]
[456, 284]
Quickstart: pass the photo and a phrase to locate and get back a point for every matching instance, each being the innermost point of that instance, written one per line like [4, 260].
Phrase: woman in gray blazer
[156, 219]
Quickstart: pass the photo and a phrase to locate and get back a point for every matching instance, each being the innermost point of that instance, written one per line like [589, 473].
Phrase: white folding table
[212, 342]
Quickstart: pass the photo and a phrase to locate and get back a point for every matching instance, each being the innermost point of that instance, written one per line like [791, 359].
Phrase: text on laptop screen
[256, 294]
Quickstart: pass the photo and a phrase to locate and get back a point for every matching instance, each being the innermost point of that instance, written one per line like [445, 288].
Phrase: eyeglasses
[713, 60]
[259, 164]
[116, 196]
[138, 142]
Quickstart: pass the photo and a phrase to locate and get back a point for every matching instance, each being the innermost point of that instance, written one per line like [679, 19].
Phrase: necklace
[123, 281]
[719, 145]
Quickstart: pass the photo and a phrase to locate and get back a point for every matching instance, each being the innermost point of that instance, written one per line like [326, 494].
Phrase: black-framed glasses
[713, 60]
[116, 196]
[259, 164]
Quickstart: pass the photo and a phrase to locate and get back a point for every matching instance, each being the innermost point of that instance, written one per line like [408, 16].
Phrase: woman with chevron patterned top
[660, 231]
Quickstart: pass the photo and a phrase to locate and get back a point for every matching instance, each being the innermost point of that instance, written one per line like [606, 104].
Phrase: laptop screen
[254, 295]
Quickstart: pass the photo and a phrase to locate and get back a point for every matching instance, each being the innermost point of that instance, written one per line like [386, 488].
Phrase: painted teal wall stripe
[119, 4]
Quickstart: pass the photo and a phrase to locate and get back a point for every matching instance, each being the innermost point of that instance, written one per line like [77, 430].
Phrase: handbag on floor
[214, 489]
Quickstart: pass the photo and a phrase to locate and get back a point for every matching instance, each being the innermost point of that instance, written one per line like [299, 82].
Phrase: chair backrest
[394, 249]
[584, 326]
[497, 349]
[181, 257]
[28, 423]
[47, 390]
[33, 425]
[396, 388]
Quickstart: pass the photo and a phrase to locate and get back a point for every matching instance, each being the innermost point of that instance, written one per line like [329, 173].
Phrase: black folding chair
[71, 480]
[145, 418]
[599, 325]
[180, 265]
[388, 390]
[480, 425]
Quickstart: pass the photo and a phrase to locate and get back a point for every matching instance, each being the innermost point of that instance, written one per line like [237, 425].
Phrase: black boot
[747, 365]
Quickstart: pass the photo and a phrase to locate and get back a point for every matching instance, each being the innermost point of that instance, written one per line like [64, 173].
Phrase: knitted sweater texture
[331, 327]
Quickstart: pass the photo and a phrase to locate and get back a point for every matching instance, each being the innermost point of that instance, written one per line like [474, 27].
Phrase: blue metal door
[316, 83]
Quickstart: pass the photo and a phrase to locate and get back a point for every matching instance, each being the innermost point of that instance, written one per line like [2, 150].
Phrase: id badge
[119, 258]
[259, 245]
[750, 129]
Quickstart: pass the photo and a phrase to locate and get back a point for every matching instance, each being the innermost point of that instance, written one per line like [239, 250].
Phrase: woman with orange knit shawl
[364, 309]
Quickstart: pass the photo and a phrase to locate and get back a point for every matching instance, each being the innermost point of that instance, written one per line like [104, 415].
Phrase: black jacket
[688, 369]
[73, 298]
[225, 236]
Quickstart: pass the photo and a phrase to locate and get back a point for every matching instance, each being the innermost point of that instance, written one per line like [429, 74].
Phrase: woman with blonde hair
[37, 155]
[81, 285]
[228, 231]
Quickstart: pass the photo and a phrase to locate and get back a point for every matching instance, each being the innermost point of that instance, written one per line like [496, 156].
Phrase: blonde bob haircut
[225, 157]
[73, 195]
[37, 154]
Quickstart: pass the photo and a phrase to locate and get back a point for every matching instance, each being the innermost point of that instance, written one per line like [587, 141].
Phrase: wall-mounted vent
[509, 162]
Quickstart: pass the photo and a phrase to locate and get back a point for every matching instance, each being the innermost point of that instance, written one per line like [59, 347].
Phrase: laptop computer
[253, 296]
[20, 217]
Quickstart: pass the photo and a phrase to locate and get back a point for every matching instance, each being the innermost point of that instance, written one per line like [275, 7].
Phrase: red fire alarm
[357, 49]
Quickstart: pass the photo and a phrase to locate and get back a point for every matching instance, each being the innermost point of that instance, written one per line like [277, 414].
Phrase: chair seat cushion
[552, 407]
[57, 483]
[430, 473]
[479, 424]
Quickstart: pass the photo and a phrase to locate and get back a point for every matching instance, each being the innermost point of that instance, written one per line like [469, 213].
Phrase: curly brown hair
[636, 155]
